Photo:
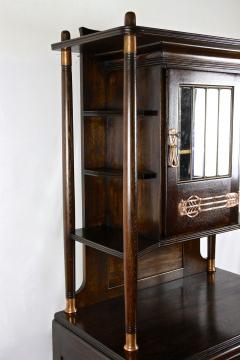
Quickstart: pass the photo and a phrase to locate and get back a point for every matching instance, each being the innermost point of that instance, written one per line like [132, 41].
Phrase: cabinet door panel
[202, 181]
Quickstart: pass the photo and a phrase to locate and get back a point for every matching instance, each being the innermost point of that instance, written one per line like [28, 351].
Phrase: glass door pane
[211, 139]
[224, 132]
[205, 121]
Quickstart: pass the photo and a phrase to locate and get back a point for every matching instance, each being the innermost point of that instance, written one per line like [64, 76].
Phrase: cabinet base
[188, 319]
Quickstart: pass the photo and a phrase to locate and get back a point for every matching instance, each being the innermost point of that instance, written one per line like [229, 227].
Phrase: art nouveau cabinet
[160, 146]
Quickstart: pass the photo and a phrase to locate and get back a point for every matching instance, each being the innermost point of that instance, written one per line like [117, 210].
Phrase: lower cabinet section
[192, 318]
[68, 346]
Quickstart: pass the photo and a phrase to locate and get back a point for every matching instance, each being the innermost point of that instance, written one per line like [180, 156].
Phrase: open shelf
[194, 318]
[110, 240]
[116, 112]
[143, 175]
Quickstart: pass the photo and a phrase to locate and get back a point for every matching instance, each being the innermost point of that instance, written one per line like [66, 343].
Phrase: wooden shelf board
[142, 175]
[107, 239]
[116, 112]
[196, 235]
[194, 318]
[110, 240]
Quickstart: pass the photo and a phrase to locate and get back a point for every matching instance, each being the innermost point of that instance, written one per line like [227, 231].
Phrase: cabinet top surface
[148, 39]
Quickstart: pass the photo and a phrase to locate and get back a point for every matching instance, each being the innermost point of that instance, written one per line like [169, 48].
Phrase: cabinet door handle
[173, 156]
[194, 205]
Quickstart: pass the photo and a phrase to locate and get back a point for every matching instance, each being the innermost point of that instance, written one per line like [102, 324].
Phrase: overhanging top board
[112, 40]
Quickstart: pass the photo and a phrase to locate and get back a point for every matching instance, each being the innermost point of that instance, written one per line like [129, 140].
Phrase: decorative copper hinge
[173, 157]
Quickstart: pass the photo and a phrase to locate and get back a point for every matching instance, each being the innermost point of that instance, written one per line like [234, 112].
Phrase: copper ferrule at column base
[70, 306]
[131, 342]
[211, 265]
[66, 57]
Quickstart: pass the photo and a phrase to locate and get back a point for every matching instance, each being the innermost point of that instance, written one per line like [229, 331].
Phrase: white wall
[31, 247]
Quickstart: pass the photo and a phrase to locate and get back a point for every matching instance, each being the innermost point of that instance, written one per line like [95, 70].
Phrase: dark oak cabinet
[160, 117]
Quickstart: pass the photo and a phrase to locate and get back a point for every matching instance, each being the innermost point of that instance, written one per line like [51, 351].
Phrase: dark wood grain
[145, 174]
[130, 19]
[151, 36]
[116, 112]
[68, 170]
[176, 190]
[211, 247]
[86, 31]
[130, 187]
[110, 240]
[190, 319]
[129, 100]
[104, 276]
[152, 268]
[68, 346]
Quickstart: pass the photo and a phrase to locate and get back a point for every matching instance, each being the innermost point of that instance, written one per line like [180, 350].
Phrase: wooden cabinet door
[203, 147]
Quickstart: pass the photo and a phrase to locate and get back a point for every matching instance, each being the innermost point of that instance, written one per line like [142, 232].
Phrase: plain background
[31, 247]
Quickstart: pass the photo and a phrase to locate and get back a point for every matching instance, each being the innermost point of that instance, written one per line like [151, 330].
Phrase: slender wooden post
[211, 253]
[130, 183]
[68, 175]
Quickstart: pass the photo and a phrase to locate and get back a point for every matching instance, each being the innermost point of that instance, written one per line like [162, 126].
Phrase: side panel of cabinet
[196, 203]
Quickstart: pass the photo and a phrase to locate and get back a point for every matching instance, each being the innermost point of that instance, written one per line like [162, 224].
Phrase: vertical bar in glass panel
[224, 131]
[211, 133]
[198, 132]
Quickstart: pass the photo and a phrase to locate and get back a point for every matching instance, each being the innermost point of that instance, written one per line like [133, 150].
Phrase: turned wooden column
[68, 175]
[211, 253]
[130, 183]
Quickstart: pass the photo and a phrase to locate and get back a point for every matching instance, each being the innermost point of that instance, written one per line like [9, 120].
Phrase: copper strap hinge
[194, 205]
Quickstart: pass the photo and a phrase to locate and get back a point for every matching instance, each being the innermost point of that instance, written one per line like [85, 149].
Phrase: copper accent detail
[70, 306]
[66, 57]
[185, 151]
[131, 342]
[173, 158]
[130, 44]
[194, 205]
[211, 265]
